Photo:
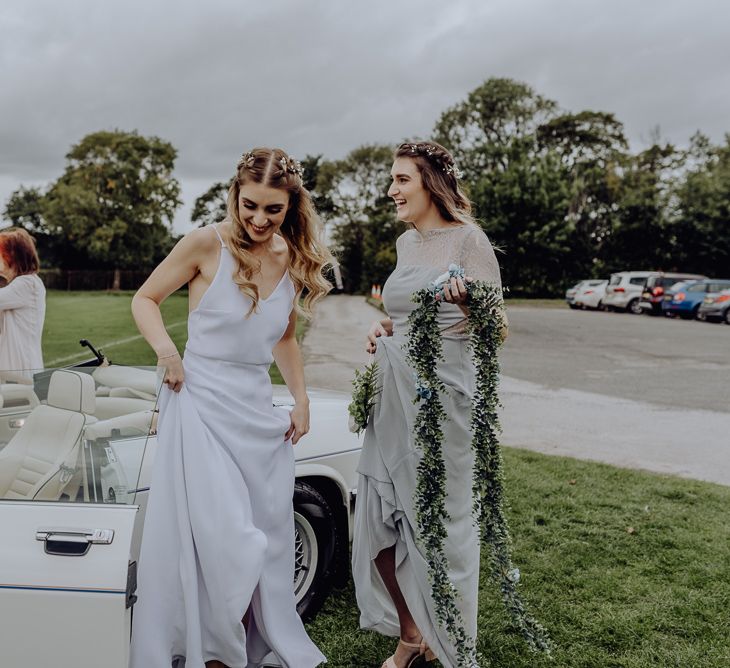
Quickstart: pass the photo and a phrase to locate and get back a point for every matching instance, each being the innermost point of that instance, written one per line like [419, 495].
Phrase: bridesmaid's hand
[455, 290]
[377, 329]
[299, 422]
[174, 374]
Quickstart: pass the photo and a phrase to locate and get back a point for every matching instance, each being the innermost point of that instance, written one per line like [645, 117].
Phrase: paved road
[632, 391]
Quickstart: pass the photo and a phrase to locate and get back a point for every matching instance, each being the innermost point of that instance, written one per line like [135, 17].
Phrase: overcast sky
[314, 76]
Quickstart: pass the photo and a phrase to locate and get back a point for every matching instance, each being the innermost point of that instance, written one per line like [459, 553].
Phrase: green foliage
[352, 198]
[212, 206]
[365, 391]
[115, 200]
[485, 326]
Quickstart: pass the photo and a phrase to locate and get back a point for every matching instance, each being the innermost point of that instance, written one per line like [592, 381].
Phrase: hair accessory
[289, 164]
[247, 160]
[445, 163]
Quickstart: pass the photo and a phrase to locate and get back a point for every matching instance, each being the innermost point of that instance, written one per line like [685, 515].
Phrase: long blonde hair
[302, 228]
[439, 176]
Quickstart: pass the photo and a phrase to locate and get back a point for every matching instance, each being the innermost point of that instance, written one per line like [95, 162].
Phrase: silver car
[624, 289]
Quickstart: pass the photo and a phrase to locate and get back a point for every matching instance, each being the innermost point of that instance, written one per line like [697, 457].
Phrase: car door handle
[73, 542]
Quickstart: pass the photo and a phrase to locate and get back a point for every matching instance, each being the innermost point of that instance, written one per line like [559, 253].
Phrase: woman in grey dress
[389, 569]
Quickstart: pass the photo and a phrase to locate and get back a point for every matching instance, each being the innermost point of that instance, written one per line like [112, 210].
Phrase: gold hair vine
[428, 151]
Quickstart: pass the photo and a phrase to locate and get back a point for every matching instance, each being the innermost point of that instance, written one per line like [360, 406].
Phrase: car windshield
[76, 434]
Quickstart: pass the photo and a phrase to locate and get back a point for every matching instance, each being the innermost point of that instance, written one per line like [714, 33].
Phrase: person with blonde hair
[217, 559]
[390, 569]
[22, 307]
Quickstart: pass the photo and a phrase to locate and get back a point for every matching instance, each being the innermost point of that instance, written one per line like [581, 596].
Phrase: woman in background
[22, 307]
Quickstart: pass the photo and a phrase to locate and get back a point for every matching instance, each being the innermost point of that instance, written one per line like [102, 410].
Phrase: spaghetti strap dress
[385, 515]
[219, 530]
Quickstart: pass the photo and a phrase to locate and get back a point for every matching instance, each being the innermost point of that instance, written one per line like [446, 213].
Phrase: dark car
[655, 287]
[685, 299]
[716, 308]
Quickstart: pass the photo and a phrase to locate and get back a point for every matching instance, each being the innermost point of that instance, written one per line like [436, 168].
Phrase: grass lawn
[105, 319]
[656, 596]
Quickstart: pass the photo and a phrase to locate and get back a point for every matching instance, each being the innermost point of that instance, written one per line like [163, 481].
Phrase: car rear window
[615, 279]
[697, 287]
[638, 280]
[718, 286]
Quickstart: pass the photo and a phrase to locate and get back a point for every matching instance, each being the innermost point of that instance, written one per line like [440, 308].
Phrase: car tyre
[573, 306]
[726, 317]
[316, 539]
[634, 307]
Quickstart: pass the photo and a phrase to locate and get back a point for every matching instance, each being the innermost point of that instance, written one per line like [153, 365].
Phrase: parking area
[670, 362]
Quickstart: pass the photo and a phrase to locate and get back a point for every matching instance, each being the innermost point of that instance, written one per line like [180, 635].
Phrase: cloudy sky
[324, 76]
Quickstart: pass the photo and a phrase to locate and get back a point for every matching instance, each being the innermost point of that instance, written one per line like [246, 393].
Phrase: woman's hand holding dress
[299, 422]
[174, 374]
[377, 329]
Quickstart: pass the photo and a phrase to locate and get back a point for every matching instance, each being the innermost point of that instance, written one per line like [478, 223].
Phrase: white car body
[590, 294]
[624, 289]
[74, 480]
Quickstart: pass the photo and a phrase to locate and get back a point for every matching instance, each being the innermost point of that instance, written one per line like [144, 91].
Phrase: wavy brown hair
[302, 229]
[439, 176]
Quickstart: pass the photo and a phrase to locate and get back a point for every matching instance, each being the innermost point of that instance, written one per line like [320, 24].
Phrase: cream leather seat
[42, 458]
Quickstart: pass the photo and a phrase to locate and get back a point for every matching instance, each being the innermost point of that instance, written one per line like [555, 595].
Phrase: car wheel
[727, 317]
[314, 549]
[600, 306]
[573, 306]
[634, 307]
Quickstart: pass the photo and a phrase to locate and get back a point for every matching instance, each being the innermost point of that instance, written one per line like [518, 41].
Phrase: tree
[361, 214]
[116, 199]
[212, 206]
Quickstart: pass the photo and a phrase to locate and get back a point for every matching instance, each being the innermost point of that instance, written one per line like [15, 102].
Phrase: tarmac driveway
[632, 391]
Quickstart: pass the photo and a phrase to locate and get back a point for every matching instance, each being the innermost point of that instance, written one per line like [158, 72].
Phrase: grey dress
[384, 511]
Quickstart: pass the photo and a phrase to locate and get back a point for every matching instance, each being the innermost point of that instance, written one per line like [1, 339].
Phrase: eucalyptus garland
[484, 328]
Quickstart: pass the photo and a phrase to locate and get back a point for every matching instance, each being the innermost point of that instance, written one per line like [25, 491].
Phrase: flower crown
[287, 163]
[444, 162]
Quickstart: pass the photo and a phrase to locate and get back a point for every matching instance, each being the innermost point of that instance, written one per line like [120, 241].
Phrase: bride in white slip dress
[216, 569]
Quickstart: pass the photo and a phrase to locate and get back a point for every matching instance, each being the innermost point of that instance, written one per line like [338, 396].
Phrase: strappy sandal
[424, 657]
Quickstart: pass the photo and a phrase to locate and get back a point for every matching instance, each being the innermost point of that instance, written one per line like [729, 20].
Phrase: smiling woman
[220, 506]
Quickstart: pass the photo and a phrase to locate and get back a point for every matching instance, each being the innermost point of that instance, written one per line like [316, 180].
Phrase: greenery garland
[484, 328]
[365, 389]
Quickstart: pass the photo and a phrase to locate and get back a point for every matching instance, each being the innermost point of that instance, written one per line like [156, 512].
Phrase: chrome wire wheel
[306, 554]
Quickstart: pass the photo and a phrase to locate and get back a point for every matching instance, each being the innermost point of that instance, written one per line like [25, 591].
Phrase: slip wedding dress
[219, 530]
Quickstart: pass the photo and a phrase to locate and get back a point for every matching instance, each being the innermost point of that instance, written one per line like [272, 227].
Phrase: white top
[22, 312]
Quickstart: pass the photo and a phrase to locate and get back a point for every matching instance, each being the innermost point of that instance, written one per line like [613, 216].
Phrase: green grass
[656, 597]
[105, 319]
[540, 303]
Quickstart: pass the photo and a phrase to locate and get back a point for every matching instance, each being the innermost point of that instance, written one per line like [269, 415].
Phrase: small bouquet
[365, 389]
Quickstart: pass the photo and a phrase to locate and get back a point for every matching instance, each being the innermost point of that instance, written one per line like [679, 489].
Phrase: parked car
[74, 479]
[656, 285]
[716, 308]
[590, 294]
[624, 289]
[685, 299]
[571, 292]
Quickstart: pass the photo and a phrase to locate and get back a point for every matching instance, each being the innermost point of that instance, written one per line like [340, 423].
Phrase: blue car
[685, 299]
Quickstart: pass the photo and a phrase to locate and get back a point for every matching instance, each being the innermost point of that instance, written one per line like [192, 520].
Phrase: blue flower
[422, 390]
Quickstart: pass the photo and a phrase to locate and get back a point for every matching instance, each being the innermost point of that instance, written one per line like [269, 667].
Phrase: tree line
[559, 194]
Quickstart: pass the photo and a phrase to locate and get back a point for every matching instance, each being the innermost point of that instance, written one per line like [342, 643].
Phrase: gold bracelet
[164, 357]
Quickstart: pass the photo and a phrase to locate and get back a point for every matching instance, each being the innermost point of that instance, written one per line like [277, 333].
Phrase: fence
[71, 279]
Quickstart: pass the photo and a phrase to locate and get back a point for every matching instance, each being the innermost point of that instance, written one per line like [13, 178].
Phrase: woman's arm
[289, 360]
[14, 295]
[177, 269]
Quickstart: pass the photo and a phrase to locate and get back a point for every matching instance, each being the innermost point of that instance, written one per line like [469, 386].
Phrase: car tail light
[619, 290]
[657, 291]
[588, 292]
[722, 298]
[679, 297]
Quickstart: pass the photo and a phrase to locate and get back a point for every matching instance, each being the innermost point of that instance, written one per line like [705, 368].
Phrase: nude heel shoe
[424, 656]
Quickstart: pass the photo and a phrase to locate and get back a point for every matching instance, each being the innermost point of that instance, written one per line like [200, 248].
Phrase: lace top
[423, 257]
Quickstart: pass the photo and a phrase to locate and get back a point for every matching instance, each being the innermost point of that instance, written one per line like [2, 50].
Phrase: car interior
[76, 434]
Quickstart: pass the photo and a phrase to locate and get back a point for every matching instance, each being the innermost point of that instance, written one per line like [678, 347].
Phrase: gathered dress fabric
[22, 313]
[219, 529]
[385, 515]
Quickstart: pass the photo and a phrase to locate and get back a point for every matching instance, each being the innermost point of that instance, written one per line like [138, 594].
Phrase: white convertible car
[76, 452]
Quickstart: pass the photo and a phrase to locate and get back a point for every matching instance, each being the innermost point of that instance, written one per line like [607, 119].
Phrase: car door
[67, 580]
